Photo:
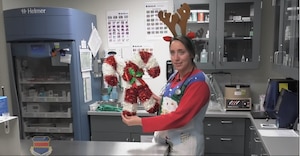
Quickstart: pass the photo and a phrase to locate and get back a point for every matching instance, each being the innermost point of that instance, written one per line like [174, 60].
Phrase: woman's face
[180, 56]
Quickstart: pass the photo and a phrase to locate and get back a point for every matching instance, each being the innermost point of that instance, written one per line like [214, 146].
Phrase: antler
[184, 12]
[171, 23]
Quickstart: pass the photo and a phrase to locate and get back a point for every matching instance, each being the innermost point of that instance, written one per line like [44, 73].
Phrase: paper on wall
[85, 59]
[155, 29]
[87, 86]
[94, 42]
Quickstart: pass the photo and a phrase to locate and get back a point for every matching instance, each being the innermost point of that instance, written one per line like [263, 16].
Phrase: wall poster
[118, 28]
[155, 28]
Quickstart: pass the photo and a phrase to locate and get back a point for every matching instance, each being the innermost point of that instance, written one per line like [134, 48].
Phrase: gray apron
[187, 140]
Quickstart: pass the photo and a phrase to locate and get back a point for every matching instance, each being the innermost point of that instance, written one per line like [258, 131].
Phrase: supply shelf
[46, 99]
[66, 114]
[48, 127]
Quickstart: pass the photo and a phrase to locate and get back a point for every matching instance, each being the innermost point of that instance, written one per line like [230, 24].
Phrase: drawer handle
[226, 122]
[257, 140]
[226, 139]
[252, 128]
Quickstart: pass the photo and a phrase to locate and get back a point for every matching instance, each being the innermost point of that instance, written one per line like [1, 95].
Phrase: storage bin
[3, 105]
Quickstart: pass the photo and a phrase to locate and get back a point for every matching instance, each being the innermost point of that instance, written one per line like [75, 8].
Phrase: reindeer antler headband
[180, 17]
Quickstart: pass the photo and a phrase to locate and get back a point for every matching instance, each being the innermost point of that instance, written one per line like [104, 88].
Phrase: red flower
[111, 80]
[111, 61]
[145, 56]
[130, 95]
[154, 72]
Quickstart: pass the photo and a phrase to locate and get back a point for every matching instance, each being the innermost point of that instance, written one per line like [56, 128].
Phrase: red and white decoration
[131, 72]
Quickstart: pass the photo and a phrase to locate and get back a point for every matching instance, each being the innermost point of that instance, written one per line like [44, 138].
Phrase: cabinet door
[44, 90]
[286, 58]
[238, 34]
[224, 126]
[253, 143]
[203, 22]
[111, 128]
[223, 42]
[224, 135]
[223, 144]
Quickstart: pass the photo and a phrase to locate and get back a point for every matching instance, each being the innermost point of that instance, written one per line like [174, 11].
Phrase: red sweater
[195, 96]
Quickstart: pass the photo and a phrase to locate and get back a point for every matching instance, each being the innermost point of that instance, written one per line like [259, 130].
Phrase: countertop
[83, 148]
[275, 145]
[236, 114]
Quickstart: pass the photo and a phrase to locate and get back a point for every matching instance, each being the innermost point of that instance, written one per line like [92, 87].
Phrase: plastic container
[3, 105]
[207, 34]
[114, 95]
[251, 32]
[203, 57]
[243, 59]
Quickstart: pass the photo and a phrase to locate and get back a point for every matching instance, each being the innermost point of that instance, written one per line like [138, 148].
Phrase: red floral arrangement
[135, 87]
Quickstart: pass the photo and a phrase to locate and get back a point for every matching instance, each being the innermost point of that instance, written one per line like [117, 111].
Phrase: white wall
[18, 3]
[4, 77]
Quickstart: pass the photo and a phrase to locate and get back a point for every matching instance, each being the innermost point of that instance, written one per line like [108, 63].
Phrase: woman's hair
[188, 44]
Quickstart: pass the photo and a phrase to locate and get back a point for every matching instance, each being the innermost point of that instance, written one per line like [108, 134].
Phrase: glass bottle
[251, 32]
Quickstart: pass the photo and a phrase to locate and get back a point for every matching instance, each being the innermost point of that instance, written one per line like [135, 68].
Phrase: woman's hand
[131, 120]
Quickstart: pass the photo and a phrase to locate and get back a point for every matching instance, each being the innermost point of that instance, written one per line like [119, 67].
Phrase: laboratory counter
[83, 148]
[274, 145]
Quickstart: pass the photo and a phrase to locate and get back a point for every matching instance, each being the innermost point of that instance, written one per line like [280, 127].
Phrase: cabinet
[286, 55]
[253, 143]
[44, 88]
[9, 134]
[111, 128]
[228, 30]
[224, 136]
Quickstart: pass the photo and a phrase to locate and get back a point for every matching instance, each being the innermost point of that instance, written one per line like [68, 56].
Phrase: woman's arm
[195, 97]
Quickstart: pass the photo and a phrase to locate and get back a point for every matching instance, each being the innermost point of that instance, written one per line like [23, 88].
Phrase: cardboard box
[237, 91]
[237, 97]
[3, 105]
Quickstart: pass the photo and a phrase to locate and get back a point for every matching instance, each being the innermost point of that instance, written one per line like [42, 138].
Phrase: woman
[183, 104]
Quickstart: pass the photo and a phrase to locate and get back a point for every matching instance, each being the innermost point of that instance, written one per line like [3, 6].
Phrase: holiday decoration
[131, 72]
[179, 18]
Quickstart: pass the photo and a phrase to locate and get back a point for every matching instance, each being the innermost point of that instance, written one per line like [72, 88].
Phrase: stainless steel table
[83, 148]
